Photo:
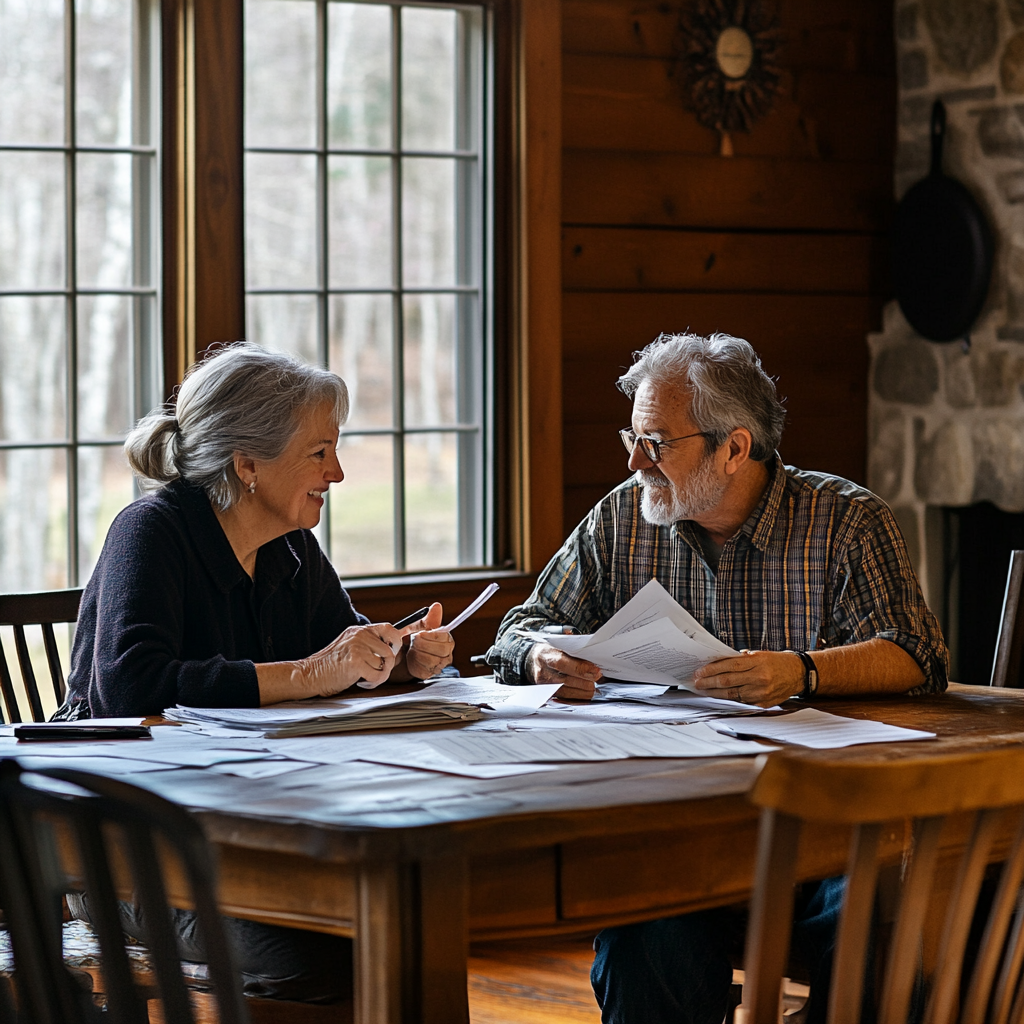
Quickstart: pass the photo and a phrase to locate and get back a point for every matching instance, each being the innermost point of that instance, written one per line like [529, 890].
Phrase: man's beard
[661, 505]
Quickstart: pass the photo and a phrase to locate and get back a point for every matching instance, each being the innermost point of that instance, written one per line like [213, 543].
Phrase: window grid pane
[84, 228]
[401, 250]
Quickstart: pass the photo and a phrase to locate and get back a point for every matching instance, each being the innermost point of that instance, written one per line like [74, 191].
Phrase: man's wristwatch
[810, 674]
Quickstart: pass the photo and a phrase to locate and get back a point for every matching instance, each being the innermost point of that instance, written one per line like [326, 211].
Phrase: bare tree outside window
[78, 274]
[367, 188]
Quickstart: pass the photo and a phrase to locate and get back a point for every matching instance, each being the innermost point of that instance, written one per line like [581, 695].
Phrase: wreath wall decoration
[728, 52]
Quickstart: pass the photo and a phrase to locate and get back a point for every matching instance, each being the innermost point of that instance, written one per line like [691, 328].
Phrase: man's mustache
[652, 478]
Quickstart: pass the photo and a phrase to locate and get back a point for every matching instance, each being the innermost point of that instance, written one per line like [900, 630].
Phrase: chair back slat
[53, 661]
[904, 953]
[45, 990]
[12, 714]
[1017, 1015]
[993, 941]
[850, 958]
[40, 606]
[106, 811]
[122, 999]
[770, 917]
[152, 896]
[1009, 655]
[873, 795]
[1003, 1008]
[28, 676]
[942, 1002]
[41, 609]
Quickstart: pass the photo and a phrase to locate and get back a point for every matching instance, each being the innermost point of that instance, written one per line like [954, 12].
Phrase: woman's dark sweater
[169, 615]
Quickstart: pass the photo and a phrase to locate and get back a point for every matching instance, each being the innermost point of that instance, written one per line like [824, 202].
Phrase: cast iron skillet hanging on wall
[941, 251]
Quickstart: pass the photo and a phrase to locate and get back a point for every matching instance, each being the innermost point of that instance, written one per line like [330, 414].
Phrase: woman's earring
[252, 487]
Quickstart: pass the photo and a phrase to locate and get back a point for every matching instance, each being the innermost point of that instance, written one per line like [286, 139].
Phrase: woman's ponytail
[150, 447]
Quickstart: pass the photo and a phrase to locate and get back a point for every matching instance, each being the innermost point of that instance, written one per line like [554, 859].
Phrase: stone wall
[947, 420]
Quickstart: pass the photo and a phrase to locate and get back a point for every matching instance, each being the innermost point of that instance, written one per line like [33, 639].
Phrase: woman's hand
[360, 653]
[429, 649]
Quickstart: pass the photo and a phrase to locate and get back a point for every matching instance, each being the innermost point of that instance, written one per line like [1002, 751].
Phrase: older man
[806, 573]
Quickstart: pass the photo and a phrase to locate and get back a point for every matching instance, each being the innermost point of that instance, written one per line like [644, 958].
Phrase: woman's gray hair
[727, 387]
[241, 399]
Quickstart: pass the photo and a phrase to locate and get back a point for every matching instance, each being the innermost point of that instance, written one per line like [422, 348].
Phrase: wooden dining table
[415, 866]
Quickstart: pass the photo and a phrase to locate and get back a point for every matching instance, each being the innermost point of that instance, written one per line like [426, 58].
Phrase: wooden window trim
[204, 273]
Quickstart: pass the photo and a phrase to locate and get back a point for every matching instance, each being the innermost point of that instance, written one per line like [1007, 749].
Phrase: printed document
[650, 639]
[596, 743]
[810, 727]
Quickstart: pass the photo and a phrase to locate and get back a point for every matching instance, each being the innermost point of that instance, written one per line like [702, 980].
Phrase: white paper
[486, 594]
[608, 689]
[650, 639]
[530, 696]
[427, 758]
[261, 769]
[667, 697]
[810, 727]
[597, 743]
[100, 765]
[650, 603]
[163, 755]
[606, 712]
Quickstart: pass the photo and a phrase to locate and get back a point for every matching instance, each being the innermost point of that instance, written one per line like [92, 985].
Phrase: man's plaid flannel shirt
[820, 562]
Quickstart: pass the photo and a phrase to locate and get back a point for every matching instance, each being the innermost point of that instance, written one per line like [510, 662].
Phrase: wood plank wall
[783, 244]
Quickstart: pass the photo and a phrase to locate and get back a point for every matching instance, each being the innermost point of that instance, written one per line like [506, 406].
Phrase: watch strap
[810, 674]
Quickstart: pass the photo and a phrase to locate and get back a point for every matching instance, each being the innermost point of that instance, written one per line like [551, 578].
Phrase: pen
[411, 618]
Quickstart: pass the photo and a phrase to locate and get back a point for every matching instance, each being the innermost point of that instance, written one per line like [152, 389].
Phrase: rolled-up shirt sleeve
[569, 592]
[880, 598]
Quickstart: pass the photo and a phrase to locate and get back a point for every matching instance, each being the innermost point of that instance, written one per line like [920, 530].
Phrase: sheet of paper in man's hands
[650, 639]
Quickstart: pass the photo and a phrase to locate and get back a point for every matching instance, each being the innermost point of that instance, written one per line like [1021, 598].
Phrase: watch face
[734, 52]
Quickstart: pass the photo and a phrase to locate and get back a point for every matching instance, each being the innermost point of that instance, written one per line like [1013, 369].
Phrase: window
[79, 269]
[367, 250]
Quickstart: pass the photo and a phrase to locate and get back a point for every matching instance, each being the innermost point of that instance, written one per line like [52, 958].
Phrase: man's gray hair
[727, 387]
[241, 399]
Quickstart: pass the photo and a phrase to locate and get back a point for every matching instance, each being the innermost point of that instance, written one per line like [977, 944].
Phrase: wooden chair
[984, 791]
[51, 815]
[42, 609]
[1009, 658]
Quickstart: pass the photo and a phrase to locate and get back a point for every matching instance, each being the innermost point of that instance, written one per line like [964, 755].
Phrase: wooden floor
[532, 982]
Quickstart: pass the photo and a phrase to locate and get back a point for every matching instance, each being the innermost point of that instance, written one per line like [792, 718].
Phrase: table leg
[411, 943]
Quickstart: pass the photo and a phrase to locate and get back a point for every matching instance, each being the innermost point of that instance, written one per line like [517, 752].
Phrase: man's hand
[547, 664]
[764, 678]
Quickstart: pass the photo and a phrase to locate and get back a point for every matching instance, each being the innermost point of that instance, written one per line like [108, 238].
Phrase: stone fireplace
[946, 420]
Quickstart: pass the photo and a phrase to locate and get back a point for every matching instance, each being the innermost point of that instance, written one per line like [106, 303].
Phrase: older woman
[213, 592]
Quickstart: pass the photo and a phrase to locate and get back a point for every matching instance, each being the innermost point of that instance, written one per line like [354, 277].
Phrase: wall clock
[728, 54]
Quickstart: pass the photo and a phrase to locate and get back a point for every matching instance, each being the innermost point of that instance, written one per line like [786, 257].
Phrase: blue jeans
[677, 970]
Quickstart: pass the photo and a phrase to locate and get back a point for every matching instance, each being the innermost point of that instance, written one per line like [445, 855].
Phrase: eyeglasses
[651, 446]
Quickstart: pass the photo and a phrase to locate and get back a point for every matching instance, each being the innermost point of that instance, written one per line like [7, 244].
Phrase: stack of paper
[312, 717]
[650, 639]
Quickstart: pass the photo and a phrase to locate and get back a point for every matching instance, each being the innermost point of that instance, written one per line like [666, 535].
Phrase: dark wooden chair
[1008, 662]
[106, 834]
[42, 609]
[979, 796]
